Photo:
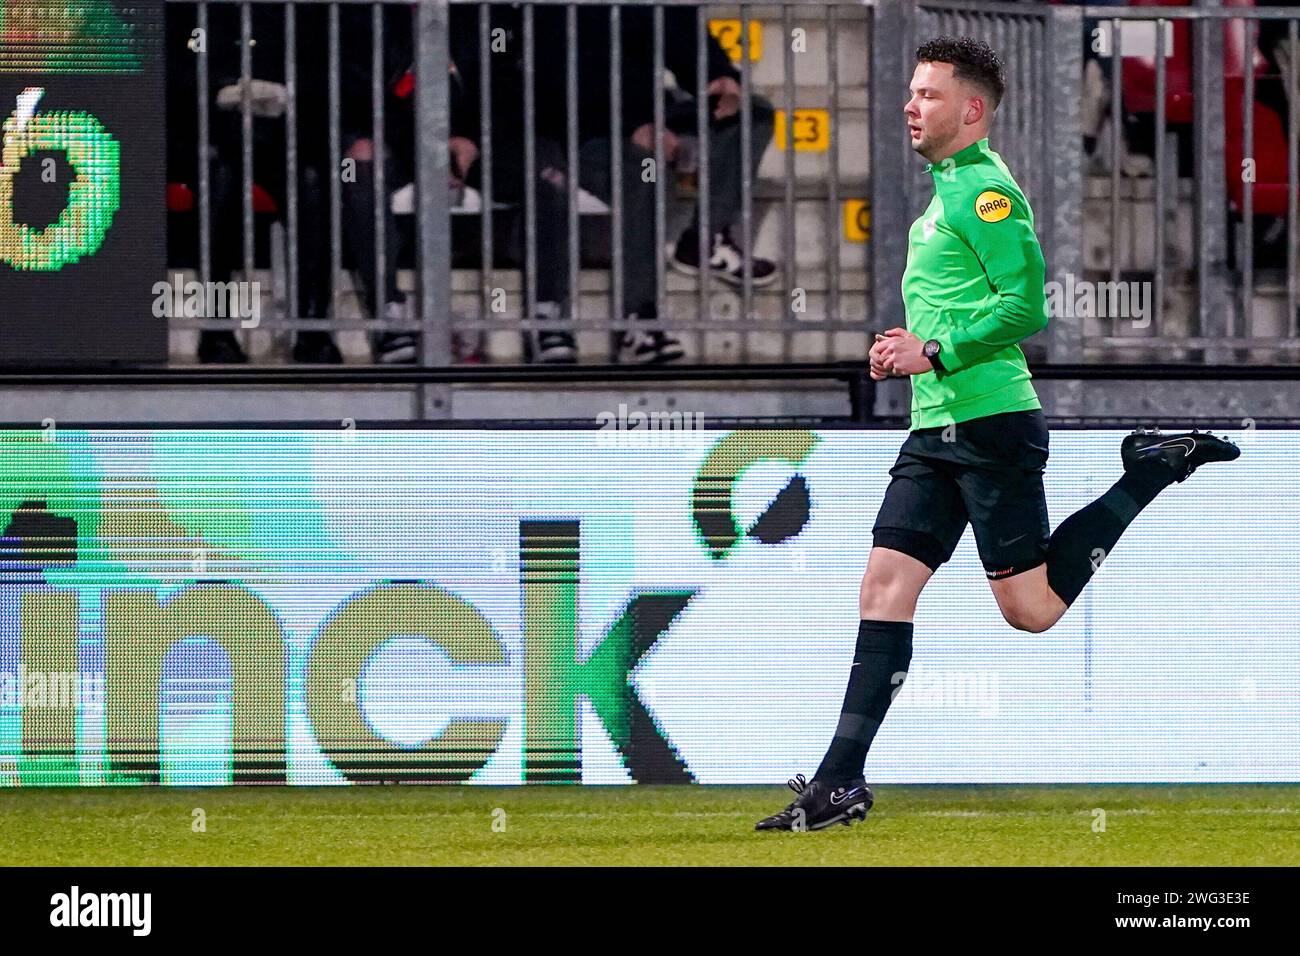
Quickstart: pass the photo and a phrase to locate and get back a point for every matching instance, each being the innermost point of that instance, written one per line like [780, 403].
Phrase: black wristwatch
[931, 351]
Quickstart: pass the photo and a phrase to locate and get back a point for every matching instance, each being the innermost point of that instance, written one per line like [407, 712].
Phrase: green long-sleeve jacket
[974, 282]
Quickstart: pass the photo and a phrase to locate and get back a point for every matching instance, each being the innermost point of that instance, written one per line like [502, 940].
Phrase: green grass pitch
[1161, 825]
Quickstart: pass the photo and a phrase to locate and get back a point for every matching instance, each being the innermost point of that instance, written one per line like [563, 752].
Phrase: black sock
[879, 667]
[1082, 541]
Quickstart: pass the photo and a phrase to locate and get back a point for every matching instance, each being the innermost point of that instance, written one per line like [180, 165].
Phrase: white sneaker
[648, 348]
[395, 348]
[551, 346]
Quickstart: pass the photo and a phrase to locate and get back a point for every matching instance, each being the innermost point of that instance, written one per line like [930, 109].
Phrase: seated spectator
[725, 171]
[269, 172]
[594, 127]
[1095, 105]
[552, 171]
[380, 295]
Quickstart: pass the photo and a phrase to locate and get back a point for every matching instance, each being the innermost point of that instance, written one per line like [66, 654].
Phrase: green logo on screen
[93, 194]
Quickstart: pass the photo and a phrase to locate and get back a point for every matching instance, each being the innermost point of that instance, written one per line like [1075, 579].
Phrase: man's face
[935, 109]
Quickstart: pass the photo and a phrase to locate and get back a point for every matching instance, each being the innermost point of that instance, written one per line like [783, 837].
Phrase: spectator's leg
[725, 166]
[314, 283]
[1274, 92]
[1095, 100]
[359, 228]
[314, 278]
[726, 198]
[552, 225]
[552, 263]
[219, 346]
[227, 221]
[1095, 103]
[639, 286]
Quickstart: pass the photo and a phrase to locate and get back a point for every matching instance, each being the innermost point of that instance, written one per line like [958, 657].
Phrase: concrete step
[505, 345]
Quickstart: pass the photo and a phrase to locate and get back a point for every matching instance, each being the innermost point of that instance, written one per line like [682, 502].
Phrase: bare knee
[1027, 601]
[886, 597]
[1032, 619]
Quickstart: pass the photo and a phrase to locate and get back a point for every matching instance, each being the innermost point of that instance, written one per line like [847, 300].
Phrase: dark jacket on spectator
[594, 58]
[222, 44]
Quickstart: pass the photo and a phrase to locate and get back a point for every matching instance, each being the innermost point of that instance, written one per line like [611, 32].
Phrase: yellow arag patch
[992, 206]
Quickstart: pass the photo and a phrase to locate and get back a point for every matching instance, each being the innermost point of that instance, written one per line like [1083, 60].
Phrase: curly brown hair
[972, 60]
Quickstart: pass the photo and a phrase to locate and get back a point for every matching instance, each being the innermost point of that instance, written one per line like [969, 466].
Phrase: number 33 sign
[812, 130]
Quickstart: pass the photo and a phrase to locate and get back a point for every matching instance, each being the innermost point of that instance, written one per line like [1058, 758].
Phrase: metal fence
[1183, 227]
[815, 300]
[1170, 211]
[1034, 131]
[1215, 180]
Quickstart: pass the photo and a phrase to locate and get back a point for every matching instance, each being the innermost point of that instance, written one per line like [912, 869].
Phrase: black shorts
[989, 472]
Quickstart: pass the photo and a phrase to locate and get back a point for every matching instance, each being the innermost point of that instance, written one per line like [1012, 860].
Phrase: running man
[973, 289]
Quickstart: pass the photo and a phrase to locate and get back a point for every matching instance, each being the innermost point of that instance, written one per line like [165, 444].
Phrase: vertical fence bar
[747, 195]
[1006, 46]
[1011, 51]
[1063, 188]
[530, 171]
[291, 150]
[1034, 132]
[1040, 107]
[789, 223]
[913, 176]
[1249, 41]
[999, 43]
[661, 202]
[834, 215]
[868, 248]
[432, 124]
[205, 148]
[1215, 301]
[1161, 162]
[487, 251]
[1034, 156]
[1007, 128]
[377, 77]
[1117, 136]
[1293, 141]
[336, 162]
[1025, 96]
[1028, 27]
[574, 231]
[890, 152]
[914, 180]
[1214, 298]
[1028, 154]
[246, 132]
[702, 119]
[617, 311]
